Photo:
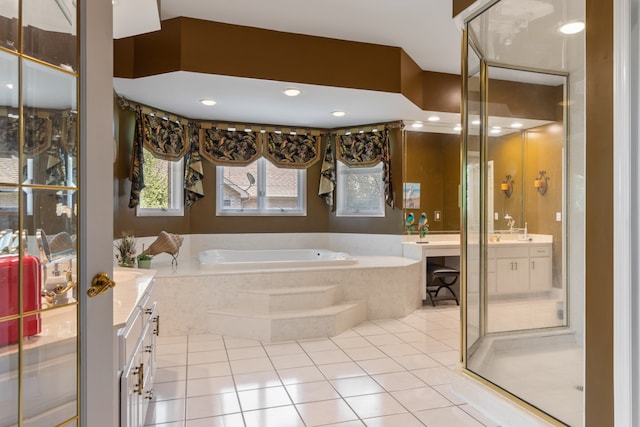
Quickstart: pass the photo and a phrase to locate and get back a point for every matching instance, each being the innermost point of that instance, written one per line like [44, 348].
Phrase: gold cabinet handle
[140, 385]
[157, 329]
[100, 284]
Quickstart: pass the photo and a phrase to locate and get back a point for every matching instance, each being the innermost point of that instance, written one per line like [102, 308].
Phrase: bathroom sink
[122, 275]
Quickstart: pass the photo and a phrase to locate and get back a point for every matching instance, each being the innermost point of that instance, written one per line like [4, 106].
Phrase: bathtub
[253, 259]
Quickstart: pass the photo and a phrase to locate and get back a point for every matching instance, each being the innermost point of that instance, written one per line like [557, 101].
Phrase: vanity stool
[441, 277]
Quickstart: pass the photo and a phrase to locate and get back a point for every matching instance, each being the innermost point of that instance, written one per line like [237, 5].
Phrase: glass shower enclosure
[523, 197]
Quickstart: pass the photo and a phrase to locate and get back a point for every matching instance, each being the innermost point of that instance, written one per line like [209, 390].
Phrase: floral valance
[226, 147]
[361, 149]
[9, 132]
[37, 134]
[194, 172]
[292, 151]
[164, 138]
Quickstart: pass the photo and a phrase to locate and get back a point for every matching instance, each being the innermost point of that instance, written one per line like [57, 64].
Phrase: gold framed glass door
[39, 367]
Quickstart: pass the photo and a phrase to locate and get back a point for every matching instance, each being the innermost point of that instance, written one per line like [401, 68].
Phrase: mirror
[431, 180]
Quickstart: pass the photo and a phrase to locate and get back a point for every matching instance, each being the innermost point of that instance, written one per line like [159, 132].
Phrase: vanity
[514, 265]
[136, 324]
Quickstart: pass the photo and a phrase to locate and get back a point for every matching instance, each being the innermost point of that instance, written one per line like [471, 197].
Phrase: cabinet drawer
[513, 252]
[129, 337]
[540, 251]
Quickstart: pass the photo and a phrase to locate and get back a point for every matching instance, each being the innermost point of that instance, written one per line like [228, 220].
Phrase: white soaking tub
[254, 259]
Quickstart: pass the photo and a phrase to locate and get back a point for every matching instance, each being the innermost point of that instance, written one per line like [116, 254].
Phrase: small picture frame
[411, 192]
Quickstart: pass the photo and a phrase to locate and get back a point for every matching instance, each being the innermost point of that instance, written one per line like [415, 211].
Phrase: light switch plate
[558, 216]
[496, 216]
[436, 215]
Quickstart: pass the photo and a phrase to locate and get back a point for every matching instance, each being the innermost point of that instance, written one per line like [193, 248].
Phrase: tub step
[289, 325]
[286, 299]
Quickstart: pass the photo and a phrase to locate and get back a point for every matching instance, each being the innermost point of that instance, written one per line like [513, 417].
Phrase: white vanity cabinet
[523, 268]
[136, 356]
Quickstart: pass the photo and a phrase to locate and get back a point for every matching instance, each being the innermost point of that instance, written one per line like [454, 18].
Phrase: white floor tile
[312, 392]
[282, 349]
[255, 380]
[351, 342]
[311, 346]
[231, 420]
[446, 358]
[232, 342]
[165, 411]
[291, 361]
[447, 417]
[398, 349]
[263, 398]
[354, 423]
[212, 405]
[211, 385]
[246, 353]
[383, 339]
[204, 337]
[162, 349]
[375, 405]
[328, 357]
[206, 345]
[445, 390]
[169, 390]
[478, 416]
[169, 360]
[342, 370]
[434, 376]
[246, 366]
[178, 339]
[364, 353]
[173, 374]
[284, 416]
[398, 420]
[416, 361]
[380, 366]
[304, 374]
[398, 381]
[218, 369]
[209, 356]
[325, 412]
[356, 386]
[418, 399]
[369, 328]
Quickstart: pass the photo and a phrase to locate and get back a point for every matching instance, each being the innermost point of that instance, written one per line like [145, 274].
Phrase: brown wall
[201, 217]
[460, 5]
[433, 160]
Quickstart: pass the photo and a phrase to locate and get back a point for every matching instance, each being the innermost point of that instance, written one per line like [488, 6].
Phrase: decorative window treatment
[9, 131]
[194, 173]
[292, 151]
[137, 174]
[166, 139]
[328, 176]
[37, 134]
[225, 147]
[386, 165]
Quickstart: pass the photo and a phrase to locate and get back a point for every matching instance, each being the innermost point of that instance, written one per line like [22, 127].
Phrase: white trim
[625, 195]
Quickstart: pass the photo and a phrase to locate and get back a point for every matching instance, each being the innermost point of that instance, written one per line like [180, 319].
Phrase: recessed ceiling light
[516, 125]
[417, 125]
[338, 113]
[475, 122]
[208, 102]
[495, 130]
[433, 118]
[291, 91]
[457, 128]
[9, 85]
[572, 27]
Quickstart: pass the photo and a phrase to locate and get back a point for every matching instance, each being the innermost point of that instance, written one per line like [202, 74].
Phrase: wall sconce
[541, 183]
[507, 186]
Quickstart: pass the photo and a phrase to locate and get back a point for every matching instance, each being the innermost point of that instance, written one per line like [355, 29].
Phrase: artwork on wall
[411, 193]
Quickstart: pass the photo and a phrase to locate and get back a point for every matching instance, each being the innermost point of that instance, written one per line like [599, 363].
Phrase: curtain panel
[166, 139]
[327, 186]
[137, 173]
[194, 173]
[292, 151]
[231, 148]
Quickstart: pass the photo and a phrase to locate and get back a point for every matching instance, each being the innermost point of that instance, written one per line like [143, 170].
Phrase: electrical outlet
[559, 216]
[436, 216]
[496, 217]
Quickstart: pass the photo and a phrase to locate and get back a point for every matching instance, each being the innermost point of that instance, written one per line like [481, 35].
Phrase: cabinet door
[540, 274]
[512, 275]
[130, 391]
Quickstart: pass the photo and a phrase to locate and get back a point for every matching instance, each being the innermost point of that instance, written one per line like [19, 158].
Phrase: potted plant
[144, 260]
[126, 246]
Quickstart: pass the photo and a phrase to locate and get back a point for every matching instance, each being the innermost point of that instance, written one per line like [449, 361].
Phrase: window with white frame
[359, 191]
[261, 189]
[163, 193]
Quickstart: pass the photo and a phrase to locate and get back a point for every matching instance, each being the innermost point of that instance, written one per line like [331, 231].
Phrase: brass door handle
[100, 284]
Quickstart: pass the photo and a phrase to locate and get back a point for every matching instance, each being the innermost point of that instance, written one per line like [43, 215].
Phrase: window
[360, 191]
[261, 189]
[163, 193]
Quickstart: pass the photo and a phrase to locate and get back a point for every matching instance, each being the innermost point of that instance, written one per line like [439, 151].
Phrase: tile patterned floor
[380, 373]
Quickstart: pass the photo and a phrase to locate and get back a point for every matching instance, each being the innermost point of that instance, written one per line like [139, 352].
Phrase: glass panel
[49, 31]
[50, 225]
[9, 24]
[238, 186]
[9, 390]
[472, 205]
[9, 120]
[281, 187]
[50, 141]
[50, 363]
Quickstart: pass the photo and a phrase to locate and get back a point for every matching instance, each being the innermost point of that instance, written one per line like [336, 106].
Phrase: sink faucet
[510, 222]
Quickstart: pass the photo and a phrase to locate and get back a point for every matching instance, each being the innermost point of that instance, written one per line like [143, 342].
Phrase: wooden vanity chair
[441, 277]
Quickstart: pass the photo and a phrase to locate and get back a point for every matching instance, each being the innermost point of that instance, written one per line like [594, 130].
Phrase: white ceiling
[423, 28]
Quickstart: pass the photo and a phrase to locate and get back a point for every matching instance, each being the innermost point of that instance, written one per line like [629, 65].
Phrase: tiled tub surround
[388, 284]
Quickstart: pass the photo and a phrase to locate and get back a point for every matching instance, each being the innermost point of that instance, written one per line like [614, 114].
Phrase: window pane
[281, 188]
[360, 191]
[156, 182]
[238, 186]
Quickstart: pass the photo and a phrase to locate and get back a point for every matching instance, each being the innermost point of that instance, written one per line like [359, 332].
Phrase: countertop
[131, 284]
